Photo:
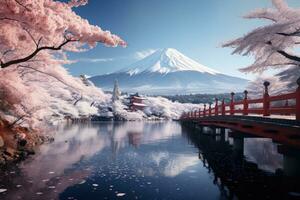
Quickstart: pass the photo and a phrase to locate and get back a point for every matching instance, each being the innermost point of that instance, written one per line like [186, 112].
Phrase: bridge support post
[291, 160]
[266, 100]
[200, 128]
[291, 165]
[223, 132]
[238, 144]
[214, 130]
[298, 101]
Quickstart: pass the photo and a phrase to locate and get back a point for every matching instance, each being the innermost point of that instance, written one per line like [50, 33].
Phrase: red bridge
[276, 117]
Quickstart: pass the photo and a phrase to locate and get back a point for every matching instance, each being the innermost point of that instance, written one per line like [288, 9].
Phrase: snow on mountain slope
[165, 61]
[168, 71]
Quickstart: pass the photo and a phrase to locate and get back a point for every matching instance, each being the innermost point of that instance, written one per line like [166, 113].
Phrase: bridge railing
[246, 106]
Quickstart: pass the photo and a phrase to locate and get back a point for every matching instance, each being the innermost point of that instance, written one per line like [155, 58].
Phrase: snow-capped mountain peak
[169, 72]
[167, 60]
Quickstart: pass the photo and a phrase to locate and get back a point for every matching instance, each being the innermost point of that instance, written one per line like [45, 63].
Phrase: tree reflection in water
[150, 161]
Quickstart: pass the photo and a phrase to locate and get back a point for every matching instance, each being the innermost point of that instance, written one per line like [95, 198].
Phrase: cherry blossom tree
[34, 86]
[273, 45]
[29, 27]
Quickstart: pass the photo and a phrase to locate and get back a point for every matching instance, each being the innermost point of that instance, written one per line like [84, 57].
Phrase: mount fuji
[169, 72]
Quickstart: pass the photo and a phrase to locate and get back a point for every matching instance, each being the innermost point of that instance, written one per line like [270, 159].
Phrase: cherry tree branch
[285, 64]
[12, 19]
[48, 74]
[295, 33]
[20, 4]
[31, 36]
[289, 56]
[3, 54]
[33, 54]
[21, 118]
[17, 120]
[77, 100]
[285, 54]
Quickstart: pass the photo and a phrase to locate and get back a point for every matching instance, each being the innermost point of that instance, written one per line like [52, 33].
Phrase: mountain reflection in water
[153, 160]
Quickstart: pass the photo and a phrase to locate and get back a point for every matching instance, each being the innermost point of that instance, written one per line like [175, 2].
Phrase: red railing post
[286, 105]
[266, 100]
[204, 111]
[298, 101]
[232, 104]
[195, 113]
[216, 108]
[246, 104]
[223, 107]
[209, 110]
[199, 112]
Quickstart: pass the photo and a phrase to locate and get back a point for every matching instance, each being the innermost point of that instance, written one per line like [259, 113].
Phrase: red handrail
[245, 108]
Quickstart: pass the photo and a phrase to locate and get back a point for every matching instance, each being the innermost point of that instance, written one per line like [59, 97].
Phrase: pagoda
[136, 102]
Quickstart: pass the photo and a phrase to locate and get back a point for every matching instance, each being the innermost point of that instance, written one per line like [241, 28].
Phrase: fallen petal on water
[3, 190]
[121, 194]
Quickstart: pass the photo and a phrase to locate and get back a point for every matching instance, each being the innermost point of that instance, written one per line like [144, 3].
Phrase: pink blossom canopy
[29, 24]
[272, 45]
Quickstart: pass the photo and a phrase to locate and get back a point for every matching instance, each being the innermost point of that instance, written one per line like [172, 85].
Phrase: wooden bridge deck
[280, 130]
[237, 116]
[253, 119]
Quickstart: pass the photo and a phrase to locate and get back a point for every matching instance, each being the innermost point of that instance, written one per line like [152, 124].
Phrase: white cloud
[137, 56]
[173, 165]
[95, 60]
[143, 54]
[179, 164]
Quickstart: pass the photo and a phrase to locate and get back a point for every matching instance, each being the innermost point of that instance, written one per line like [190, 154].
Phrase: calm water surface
[137, 160]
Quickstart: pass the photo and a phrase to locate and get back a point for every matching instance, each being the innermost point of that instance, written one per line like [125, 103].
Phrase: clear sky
[194, 27]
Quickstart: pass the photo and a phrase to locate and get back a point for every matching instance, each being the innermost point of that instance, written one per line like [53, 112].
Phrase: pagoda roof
[139, 104]
[137, 97]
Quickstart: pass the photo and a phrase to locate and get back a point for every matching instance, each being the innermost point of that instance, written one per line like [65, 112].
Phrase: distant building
[136, 102]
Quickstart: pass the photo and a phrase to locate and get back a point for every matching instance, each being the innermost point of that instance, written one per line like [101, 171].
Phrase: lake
[153, 160]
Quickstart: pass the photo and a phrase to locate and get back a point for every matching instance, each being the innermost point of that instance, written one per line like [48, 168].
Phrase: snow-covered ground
[157, 108]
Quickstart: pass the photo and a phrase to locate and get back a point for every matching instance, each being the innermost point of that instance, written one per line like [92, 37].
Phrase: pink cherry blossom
[273, 45]
[35, 35]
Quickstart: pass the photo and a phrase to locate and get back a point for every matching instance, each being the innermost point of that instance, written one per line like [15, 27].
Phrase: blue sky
[194, 27]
